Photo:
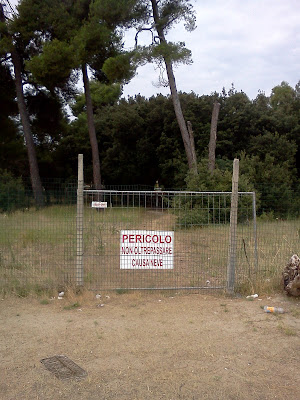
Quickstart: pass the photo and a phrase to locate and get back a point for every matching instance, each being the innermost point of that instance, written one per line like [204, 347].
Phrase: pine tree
[12, 46]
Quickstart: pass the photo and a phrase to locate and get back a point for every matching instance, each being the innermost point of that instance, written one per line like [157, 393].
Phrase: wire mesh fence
[161, 240]
[39, 247]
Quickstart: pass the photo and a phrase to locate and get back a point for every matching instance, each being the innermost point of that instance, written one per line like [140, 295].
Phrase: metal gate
[161, 239]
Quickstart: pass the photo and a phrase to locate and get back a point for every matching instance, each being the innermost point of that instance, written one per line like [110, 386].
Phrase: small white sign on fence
[99, 204]
[146, 249]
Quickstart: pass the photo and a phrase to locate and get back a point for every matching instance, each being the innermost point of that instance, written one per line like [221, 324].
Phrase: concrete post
[233, 228]
[79, 224]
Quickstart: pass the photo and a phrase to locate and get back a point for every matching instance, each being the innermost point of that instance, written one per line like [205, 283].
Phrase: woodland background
[138, 138]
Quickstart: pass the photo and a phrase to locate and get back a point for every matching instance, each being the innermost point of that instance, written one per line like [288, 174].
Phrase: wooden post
[213, 137]
[79, 224]
[255, 231]
[233, 228]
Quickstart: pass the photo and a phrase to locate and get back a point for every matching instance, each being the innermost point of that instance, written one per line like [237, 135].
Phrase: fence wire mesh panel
[278, 232]
[37, 245]
[163, 240]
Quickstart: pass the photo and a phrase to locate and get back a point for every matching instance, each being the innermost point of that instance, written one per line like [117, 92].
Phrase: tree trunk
[175, 98]
[91, 129]
[192, 141]
[33, 165]
[213, 138]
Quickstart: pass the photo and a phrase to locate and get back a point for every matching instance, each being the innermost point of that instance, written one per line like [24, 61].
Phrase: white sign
[99, 204]
[146, 249]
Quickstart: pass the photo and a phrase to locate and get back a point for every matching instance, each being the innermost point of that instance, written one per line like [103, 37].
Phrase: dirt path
[151, 347]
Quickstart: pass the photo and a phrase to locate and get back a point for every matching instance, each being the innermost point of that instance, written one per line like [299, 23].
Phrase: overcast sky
[254, 44]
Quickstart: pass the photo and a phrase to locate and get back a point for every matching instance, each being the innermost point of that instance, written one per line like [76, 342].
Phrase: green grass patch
[72, 306]
[287, 330]
[122, 291]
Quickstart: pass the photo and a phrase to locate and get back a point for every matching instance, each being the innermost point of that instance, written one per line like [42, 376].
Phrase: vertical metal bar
[233, 228]
[79, 223]
[214, 210]
[220, 209]
[208, 209]
[255, 231]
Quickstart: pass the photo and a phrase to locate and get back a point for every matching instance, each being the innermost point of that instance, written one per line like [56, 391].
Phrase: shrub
[12, 192]
[205, 209]
[192, 216]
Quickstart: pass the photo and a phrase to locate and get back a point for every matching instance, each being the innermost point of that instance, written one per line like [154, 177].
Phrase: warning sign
[99, 204]
[146, 249]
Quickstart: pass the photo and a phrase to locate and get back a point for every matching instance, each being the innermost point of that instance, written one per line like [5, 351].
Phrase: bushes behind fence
[12, 193]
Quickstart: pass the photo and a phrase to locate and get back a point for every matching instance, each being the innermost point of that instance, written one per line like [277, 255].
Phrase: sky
[254, 44]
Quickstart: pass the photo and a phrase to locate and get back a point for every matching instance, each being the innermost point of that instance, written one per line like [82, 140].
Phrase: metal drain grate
[63, 368]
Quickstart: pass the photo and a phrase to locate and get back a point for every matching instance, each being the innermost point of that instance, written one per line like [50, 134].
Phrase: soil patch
[151, 346]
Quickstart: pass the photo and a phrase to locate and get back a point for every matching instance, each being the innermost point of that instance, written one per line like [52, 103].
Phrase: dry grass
[38, 251]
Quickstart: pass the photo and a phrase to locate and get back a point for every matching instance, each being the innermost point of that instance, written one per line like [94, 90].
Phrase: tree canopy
[138, 139]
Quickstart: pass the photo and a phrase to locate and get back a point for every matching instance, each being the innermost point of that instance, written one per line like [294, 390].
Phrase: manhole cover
[63, 368]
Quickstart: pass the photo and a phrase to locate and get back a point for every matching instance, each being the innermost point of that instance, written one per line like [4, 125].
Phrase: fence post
[79, 223]
[255, 232]
[233, 228]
